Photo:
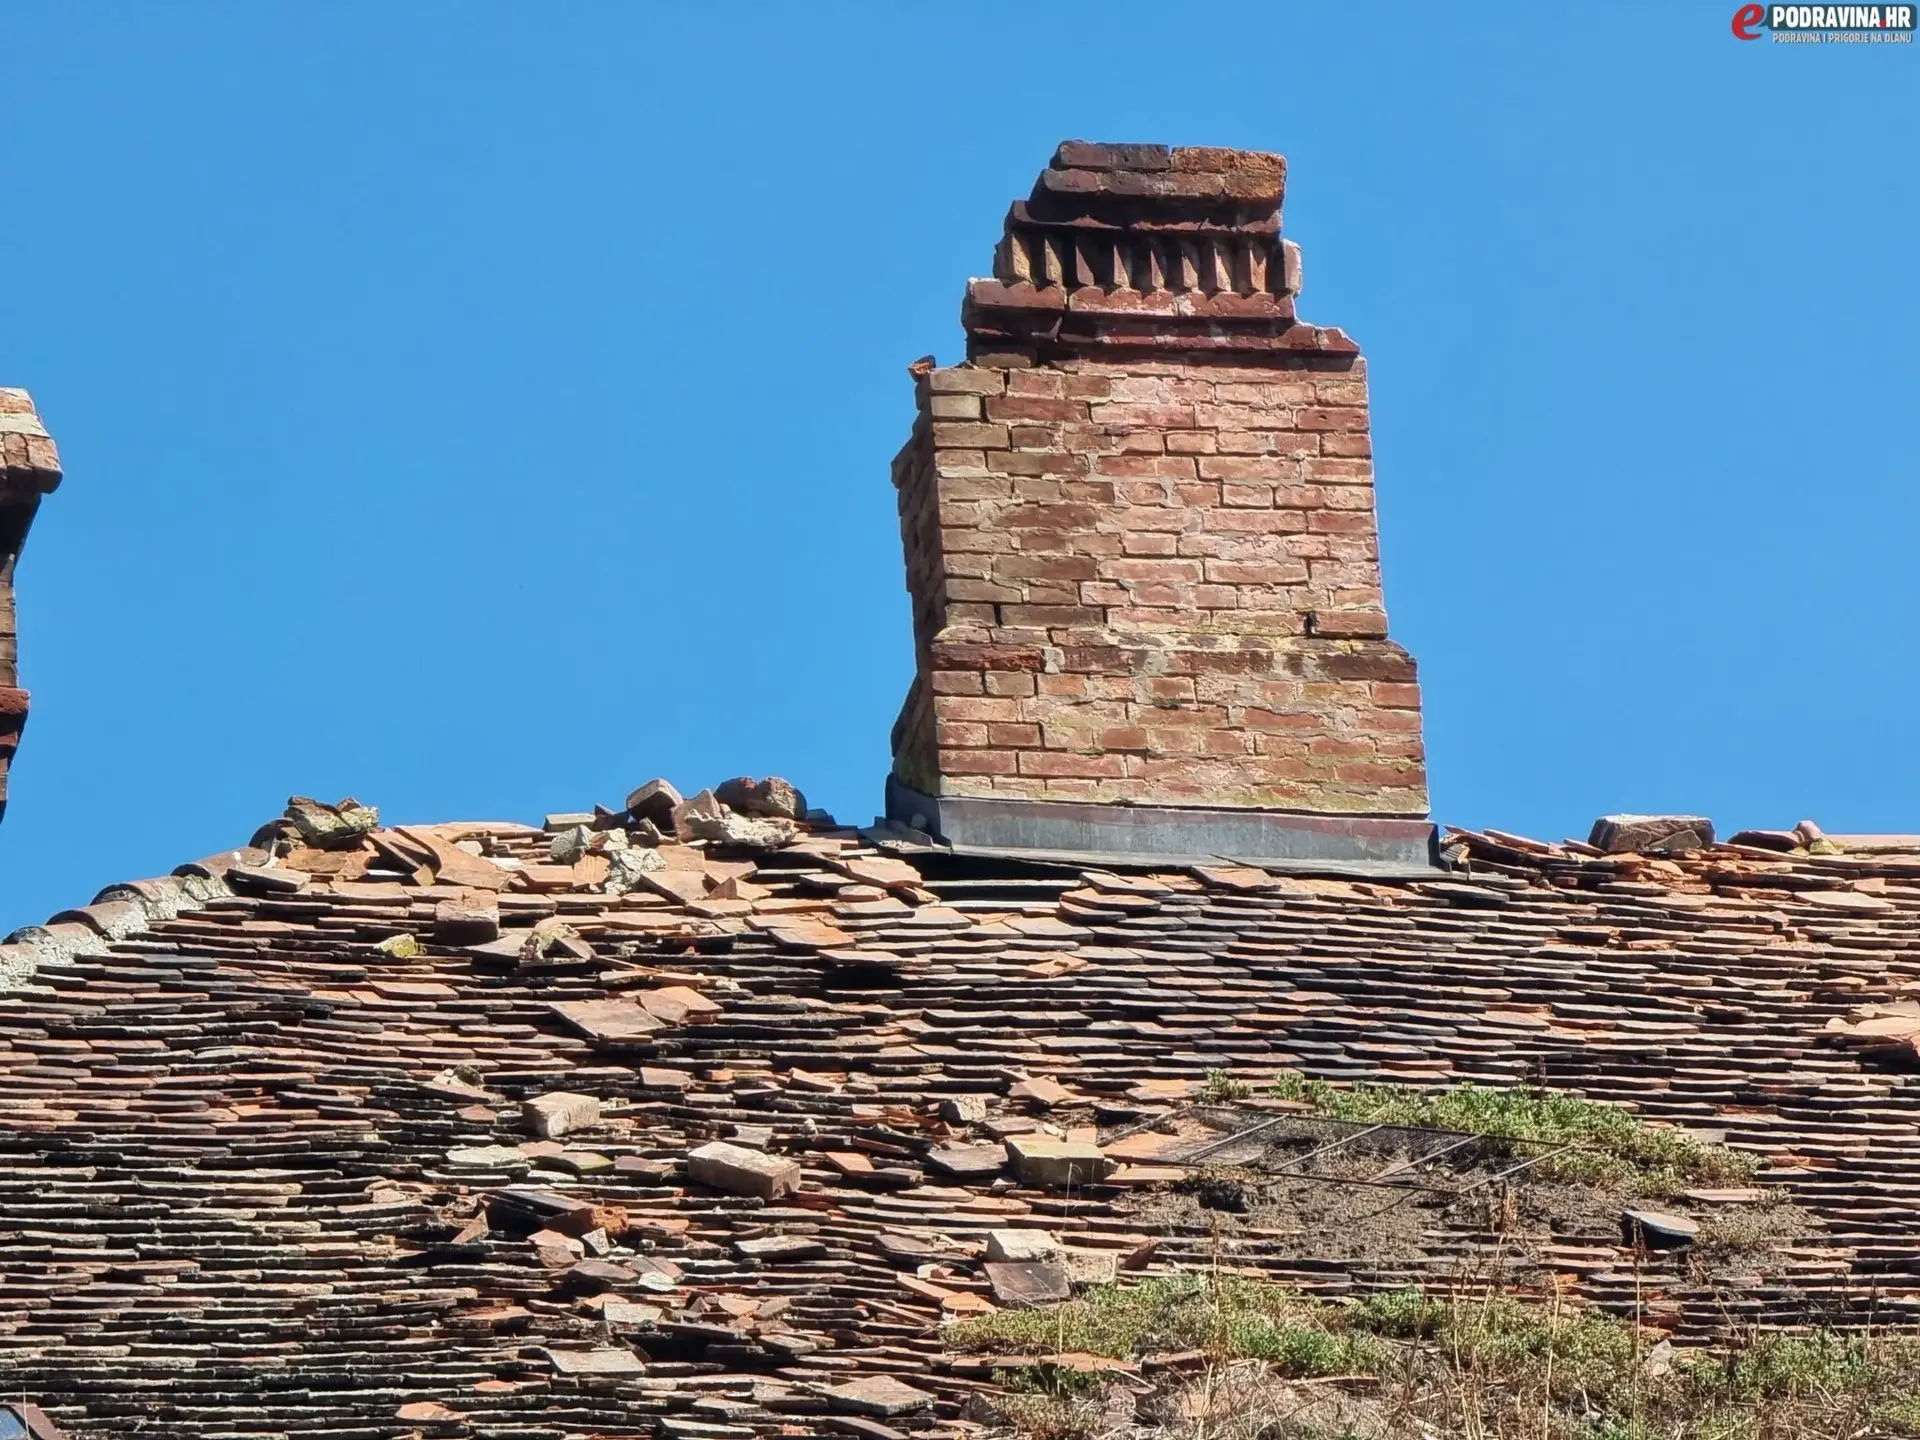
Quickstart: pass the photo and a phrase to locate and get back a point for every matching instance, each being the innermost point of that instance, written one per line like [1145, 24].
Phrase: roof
[268, 1162]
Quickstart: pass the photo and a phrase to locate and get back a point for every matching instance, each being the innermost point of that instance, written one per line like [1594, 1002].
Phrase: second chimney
[29, 468]
[1141, 545]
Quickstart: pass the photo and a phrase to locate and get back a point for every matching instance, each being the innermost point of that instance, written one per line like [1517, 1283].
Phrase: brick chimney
[1140, 541]
[29, 468]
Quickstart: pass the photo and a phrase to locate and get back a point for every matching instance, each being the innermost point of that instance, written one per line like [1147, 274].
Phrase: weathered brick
[1399, 696]
[1034, 462]
[1149, 542]
[1330, 470]
[1331, 419]
[968, 381]
[1152, 568]
[1066, 763]
[1344, 522]
[1120, 415]
[980, 762]
[1045, 567]
[1034, 407]
[1013, 683]
[985, 710]
[1173, 467]
[1248, 467]
[1014, 735]
[955, 407]
[960, 435]
[1044, 383]
[1048, 615]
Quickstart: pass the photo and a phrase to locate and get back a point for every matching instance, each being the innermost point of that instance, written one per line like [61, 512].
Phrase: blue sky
[479, 409]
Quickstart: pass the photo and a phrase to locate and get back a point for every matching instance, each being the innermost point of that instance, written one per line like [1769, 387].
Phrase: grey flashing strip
[898, 840]
[1164, 835]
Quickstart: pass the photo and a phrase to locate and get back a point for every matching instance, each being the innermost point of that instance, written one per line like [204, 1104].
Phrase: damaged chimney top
[1140, 541]
[29, 468]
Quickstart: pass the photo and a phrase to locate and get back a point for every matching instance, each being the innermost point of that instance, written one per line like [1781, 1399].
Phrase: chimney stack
[29, 468]
[1140, 541]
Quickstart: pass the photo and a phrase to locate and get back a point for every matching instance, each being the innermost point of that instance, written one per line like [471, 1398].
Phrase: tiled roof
[266, 1165]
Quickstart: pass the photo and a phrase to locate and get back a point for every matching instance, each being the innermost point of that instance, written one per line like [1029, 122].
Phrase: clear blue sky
[479, 409]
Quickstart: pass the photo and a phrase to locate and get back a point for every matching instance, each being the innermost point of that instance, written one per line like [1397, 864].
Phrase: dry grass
[1282, 1366]
[1612, 1147]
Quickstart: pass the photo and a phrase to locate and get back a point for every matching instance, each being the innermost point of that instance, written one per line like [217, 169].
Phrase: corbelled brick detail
[1139, 521]
[29, 468]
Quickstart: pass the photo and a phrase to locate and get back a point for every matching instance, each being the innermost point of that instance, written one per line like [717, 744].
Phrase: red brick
[949, 656]
[1148, 568]
[1340, 747]
[961, 589]
[1248, 467]
[958, 434]
[1045, 567]
[1291, 722]
[1339, 522]
[1331, 419]
[967, 380]
[1276, 572]
[1340, 392]
[1326, 470]
[1365, 774]
[1033, 436]
[1173, 467]
[1065, 763]
[1049, 383]
[1046, 517]
[1120, 415]
[1013, 736]
[1148, 542]
[987, 710]
[1049, 615]
[1168, 689]
[980, 762]
[1034, 462]
[1034, 407]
